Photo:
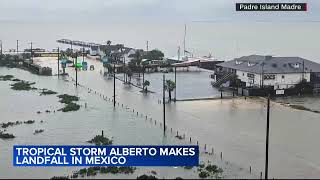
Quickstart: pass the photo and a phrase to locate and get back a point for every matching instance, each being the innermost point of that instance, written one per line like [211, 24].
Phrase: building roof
[115, 49]
[272, 65]
[194, 61]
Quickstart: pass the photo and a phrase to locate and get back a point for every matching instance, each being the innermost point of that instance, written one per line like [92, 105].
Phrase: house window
[250, 64]
[242, 74]
[250, 75]
[296, 65]
[238, 62]
[282, 76]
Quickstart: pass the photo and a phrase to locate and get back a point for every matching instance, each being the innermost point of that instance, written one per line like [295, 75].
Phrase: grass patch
[66, 99]
[8, 124]
[47, 92]
[213, 169]
[188, 167]
[60, 177]
[6, 78]
[6, 135]
[70, 107]
[209, 171]
[93, 171]
[16, 80]
[38, 131]
[117, 170]
[29, 122]
[204, 174]
[300, 107]
[146, 177]
[100, 140]
[22, 86]
[179, 137]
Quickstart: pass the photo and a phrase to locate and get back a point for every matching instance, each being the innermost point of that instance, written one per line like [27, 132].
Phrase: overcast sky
[144, 10]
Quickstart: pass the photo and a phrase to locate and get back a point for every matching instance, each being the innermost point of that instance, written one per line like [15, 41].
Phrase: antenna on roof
[184, 39]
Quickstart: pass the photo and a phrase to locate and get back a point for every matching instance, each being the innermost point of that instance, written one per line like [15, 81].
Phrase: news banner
[105, 155]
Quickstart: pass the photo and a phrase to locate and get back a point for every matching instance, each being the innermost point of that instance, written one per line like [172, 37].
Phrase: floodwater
[310, 101]
[76, 128]
[235, 127]
[191, 84]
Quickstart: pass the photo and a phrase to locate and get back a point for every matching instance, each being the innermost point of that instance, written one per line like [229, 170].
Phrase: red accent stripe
[306, 7]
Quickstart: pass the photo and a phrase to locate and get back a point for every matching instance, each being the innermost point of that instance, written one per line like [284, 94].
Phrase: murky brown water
[235, 127]
[75, 128]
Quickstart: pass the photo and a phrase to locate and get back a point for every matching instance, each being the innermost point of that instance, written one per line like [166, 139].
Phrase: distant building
[94, 51]
[118, 49]
[35, 50]
[279, 72]
[209, 63]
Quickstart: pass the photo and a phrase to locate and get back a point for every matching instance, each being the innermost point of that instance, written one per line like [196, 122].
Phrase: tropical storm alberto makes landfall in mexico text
[271, 6]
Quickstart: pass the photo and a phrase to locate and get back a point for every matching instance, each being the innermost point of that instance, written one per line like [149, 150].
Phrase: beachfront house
[279, 73]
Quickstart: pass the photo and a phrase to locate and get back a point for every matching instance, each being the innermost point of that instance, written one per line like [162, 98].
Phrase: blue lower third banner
[105, 155]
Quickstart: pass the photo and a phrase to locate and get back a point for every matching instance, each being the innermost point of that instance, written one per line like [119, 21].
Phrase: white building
[124, 52]
[279, 72]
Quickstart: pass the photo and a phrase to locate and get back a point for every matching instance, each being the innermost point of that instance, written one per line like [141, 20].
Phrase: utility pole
[262, 75]
[147, 46]
[114, 84]
[31, 55]
[72, 53]
[184, 39]
[267, 139]
[175, 82]
[124, 69]
[124, 65]
[178, 53]
[17, 46]
[58, 62]
[143, 77]
[164, 105]
[83, 54]
[302, 69]
[1, 47]
[76, 54]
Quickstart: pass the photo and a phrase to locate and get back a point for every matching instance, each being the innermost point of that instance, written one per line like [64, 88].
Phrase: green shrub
[70, 107]
[100, 140]
[146, 177]
[65, 98]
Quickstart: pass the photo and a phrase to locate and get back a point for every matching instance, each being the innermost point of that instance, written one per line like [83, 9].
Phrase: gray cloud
[143, 10]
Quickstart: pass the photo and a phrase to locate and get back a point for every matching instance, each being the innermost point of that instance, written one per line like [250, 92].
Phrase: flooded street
[259, 48]
[235, 127]
[76, 128]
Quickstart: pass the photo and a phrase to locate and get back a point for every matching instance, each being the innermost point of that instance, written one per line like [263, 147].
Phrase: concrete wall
[281, 81]
[243, 76]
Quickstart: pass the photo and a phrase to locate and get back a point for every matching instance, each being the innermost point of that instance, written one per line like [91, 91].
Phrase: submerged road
[235, 127]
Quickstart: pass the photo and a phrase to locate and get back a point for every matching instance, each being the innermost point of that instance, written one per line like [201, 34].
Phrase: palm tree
[146, 83]
[169, 86]
[69, 52]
